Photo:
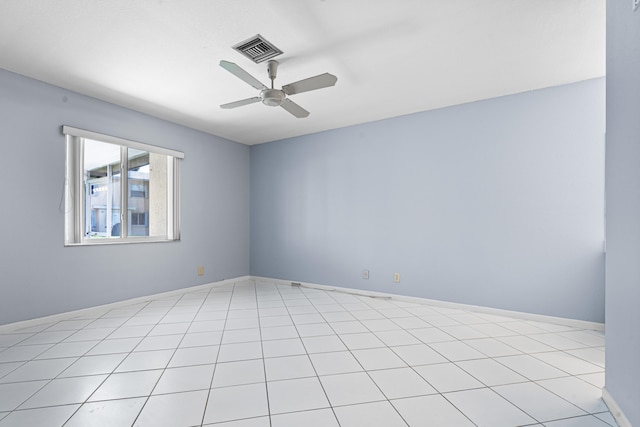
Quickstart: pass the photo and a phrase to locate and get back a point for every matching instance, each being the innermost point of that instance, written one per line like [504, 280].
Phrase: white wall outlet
[365, 274]
[396, 277]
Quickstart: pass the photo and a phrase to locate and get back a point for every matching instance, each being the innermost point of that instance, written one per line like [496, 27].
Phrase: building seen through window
[103, 190]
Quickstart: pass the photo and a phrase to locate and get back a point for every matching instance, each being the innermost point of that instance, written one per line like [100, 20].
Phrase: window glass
[104, 205]
[101, 189]
[138, 204]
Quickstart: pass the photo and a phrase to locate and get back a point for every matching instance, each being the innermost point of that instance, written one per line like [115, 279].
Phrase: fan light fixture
[272, 97]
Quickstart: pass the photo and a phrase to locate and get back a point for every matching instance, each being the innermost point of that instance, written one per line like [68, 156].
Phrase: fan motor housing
[272, 97]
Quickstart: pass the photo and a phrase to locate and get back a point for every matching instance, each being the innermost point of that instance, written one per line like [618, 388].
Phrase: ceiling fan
[277, 97]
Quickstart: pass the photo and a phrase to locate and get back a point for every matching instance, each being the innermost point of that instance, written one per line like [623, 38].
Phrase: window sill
[127, 241]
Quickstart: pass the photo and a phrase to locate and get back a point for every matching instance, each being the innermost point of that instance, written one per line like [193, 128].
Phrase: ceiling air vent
[257, 49]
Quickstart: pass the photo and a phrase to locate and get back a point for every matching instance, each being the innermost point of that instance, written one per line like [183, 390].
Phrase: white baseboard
[581, 324]
[479, 309]
[615, 410]
[110, 306]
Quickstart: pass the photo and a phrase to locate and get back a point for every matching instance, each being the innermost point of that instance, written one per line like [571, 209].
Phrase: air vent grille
[257, 49]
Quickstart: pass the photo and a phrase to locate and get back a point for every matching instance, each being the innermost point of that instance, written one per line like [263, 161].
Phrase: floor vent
[257, 49]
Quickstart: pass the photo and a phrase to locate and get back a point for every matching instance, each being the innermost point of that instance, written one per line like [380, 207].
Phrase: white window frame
[74, 227]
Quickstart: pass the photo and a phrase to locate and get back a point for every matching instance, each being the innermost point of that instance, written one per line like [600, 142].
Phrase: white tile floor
[267, 355]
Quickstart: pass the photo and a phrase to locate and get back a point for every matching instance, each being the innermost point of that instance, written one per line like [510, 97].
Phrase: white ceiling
[391, 57]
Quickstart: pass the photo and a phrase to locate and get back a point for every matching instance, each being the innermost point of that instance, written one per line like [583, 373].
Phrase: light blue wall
[498, 203]
[495, 203]
[623, 207]
[38, 276]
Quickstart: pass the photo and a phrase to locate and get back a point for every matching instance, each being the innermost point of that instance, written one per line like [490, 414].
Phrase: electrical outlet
[396, 277]
[200, 270]
[365, 274]
[636, 4]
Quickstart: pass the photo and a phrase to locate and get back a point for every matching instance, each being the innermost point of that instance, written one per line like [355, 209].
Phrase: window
[139, 218]
[119, 191]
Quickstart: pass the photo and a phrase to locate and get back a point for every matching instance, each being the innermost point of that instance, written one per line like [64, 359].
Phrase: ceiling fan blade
[242, 74]
[312, 83]
[241, 102]
[294, 109]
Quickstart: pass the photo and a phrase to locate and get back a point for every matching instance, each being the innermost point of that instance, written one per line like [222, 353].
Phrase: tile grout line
[264, 367]
[317, 304]
[204, 411]
[309, 357]
[49, 381]
[365, 370]
[122, 361]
